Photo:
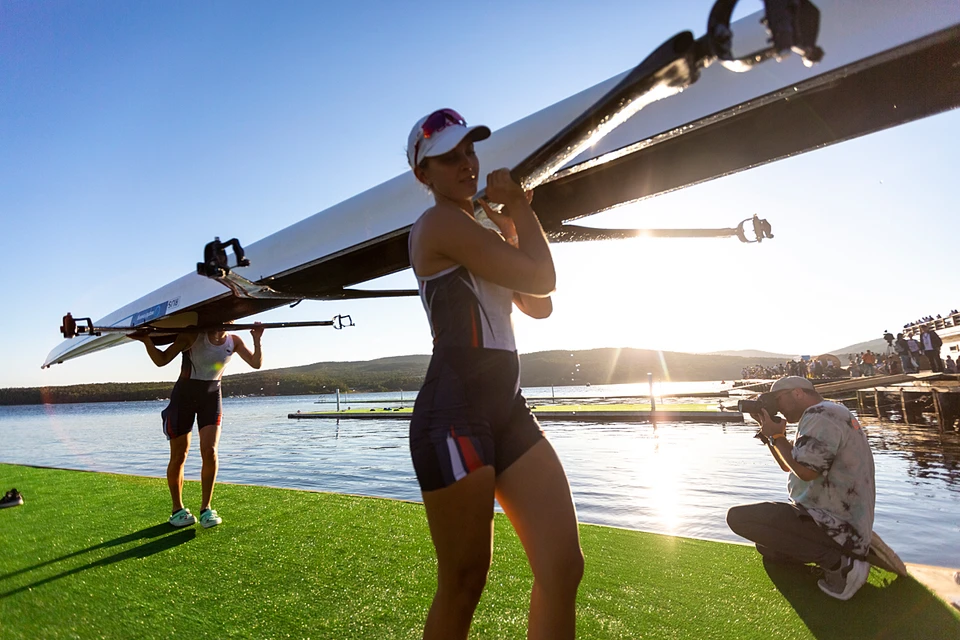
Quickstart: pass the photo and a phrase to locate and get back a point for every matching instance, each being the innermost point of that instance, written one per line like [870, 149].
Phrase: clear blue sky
[131, 133]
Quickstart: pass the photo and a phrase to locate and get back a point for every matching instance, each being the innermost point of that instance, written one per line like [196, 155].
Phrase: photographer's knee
[737, 517]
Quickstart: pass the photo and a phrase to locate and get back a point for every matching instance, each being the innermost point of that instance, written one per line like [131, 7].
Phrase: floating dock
[345, 399]
[567, 413]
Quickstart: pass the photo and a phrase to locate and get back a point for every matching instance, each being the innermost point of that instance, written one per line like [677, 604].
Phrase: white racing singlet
[205, 360]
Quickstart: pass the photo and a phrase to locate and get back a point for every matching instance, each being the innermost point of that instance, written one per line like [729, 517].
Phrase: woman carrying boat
[196, 396]
[472, 436]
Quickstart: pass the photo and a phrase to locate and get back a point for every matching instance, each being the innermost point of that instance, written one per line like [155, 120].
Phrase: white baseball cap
[792, 382]
[439, 133]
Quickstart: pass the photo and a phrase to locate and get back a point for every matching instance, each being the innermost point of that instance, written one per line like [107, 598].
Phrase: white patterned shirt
[842, 498]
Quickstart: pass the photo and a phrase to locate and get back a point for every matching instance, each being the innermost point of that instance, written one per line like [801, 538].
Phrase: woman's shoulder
[439, 223]
[441, 214]
[187, 339]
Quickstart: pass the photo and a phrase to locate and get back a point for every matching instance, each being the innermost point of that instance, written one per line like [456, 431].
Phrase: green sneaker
[182, 518]
[209, 518]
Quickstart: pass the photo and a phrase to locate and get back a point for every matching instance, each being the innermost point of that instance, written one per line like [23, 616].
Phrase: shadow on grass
[143, 534]
[899, 608]
[142, 551]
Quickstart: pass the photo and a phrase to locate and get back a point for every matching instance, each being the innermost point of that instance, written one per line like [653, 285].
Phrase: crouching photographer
[829, 519]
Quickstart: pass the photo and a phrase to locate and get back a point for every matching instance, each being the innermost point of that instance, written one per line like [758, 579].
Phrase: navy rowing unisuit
[469, 412]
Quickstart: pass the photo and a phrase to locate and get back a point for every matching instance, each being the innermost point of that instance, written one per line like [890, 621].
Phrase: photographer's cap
[791, 382]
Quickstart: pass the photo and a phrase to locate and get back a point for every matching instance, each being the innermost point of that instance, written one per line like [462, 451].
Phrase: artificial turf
[89, 555]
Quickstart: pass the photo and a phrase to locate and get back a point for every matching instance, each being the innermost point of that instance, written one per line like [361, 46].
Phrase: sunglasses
[438, 121]
[435, 123]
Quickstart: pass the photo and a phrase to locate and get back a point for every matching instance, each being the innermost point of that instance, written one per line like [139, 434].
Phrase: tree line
[542, 369]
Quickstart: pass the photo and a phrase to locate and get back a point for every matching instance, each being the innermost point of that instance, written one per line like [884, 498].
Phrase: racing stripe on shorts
[463, 455]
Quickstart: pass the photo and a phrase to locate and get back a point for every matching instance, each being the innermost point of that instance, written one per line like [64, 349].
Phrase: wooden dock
[833, 389]
[911, 395]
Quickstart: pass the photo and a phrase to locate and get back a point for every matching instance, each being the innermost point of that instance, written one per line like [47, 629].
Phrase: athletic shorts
[191, 400]
[469, 414]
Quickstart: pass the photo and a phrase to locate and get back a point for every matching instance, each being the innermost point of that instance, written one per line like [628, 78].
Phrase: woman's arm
[254, 359]
[533, 306]
[450, 234]
[162, 358]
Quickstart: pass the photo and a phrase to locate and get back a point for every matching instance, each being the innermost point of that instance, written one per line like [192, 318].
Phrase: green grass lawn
[89, 555]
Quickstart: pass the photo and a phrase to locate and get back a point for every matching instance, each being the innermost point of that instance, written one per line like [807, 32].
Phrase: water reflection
[669, 478]
[932, 455]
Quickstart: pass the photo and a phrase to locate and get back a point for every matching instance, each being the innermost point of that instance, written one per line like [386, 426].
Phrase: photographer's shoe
[845, 581]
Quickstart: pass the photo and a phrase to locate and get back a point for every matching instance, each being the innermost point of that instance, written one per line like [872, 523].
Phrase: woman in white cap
[472, 436]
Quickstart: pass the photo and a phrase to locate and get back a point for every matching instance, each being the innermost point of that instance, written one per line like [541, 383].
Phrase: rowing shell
[887, 62]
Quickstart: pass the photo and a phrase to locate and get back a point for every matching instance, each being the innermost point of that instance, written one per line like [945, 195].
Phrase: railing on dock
[950, 321]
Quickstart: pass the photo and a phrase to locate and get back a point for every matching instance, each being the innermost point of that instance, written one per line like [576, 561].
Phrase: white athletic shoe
[842, 583]
[209, 518]
[182, 518]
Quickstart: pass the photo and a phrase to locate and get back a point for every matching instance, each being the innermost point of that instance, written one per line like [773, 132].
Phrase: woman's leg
[535, 495]
[179, 447]
[209, 441]
[461, 525]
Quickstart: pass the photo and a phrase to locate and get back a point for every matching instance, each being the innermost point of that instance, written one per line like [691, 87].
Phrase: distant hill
[616, 366]
[878, 345]
[542, 369]
[753, 353]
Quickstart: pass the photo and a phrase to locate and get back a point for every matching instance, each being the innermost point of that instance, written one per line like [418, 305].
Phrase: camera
[766, 401]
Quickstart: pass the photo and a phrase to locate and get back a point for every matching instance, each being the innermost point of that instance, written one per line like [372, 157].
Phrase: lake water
[673, 478]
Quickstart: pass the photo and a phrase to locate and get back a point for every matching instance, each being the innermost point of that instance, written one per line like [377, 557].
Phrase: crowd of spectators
[917, 347]
[873, 364]
[951, 320]
[816, 368]
[760, 372]
[906, 356]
